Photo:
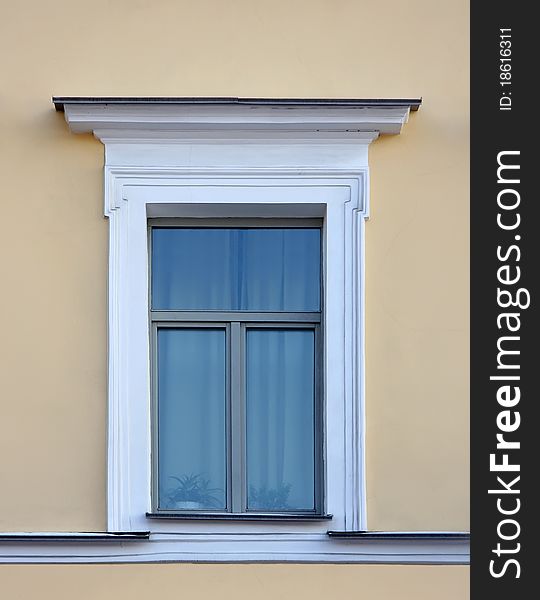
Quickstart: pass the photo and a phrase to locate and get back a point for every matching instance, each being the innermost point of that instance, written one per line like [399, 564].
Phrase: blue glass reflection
[191, 420]
[236, 269]
[280, 419]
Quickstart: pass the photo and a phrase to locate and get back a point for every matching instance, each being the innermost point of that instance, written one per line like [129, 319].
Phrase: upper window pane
[258, 269]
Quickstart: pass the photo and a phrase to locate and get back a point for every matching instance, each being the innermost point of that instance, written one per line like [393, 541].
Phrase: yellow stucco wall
[234, 582]
[53, 256]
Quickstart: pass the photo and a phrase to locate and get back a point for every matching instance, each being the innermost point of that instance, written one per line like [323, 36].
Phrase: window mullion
[237, 442]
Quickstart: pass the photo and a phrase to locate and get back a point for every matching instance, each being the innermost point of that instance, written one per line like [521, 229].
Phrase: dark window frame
[236, 324]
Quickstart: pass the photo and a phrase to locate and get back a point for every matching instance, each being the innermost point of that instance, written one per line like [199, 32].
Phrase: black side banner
[505, 270]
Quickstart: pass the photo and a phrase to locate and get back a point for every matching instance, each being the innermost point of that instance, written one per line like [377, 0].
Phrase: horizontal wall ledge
[255, 547]
[401, 535]
[76, 537]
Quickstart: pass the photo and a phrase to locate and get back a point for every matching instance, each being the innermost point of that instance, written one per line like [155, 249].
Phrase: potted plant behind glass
[265, 498]
[192, 492]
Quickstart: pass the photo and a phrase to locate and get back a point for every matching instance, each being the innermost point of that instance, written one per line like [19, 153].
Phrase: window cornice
[230, 116]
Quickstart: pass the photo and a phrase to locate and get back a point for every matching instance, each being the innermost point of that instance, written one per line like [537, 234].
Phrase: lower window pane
[191, 419]
[280, 372]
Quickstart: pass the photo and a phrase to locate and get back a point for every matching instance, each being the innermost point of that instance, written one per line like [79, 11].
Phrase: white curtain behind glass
[258, 269]
[192, 437]
[280, 419]
[236, 269]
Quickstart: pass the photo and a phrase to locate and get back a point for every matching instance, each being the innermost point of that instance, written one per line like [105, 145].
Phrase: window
[195, 395]
[235, 321]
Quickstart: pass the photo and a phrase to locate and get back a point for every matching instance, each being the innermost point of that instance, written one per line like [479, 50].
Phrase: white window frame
[219, 159]
[339, 199]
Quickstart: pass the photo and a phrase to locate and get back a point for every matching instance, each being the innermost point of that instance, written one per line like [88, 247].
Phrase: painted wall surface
[234, 582]
[53, 256]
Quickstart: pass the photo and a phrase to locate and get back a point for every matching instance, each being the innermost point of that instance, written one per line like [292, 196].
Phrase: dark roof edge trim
[399, 535]
[97, 536]
[414, 104]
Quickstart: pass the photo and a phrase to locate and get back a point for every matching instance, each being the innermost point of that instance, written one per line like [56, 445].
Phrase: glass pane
[236, 269]
[280, 419]
[191, 419]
